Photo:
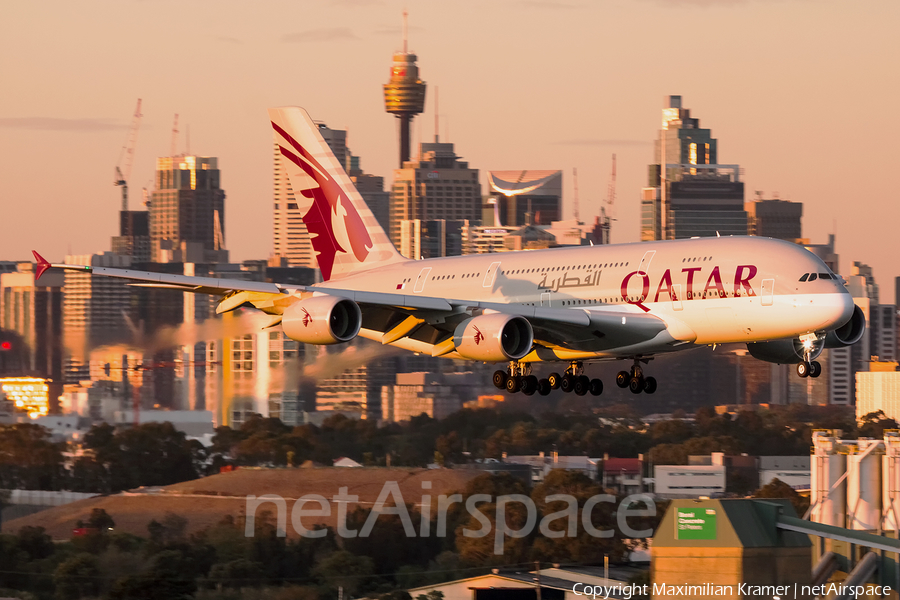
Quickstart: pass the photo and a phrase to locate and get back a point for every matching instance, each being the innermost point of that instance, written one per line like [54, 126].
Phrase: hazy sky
[803, 94]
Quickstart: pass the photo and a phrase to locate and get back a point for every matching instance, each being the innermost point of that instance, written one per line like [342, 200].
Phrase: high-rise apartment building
[884, 346]
[33, 309]
[95, 311]
[187, 211]
[436, 186]
[700, 197]
[779, 219]
[431, 239]
[134, 235]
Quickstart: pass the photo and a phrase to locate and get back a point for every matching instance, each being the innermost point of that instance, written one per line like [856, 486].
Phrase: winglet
[41, 266]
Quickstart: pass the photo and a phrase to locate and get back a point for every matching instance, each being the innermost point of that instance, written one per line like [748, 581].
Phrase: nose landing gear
[635, 380]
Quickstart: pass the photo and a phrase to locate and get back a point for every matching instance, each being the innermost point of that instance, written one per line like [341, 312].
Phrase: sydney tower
[404, 94]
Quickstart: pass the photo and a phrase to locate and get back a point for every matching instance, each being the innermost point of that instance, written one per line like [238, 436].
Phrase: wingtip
[41, 266]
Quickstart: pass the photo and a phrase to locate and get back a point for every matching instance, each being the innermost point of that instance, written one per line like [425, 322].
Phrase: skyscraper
[95, 311]
[187, 211]
[700, 197]
[33, 309]
[437, 186]
[777, 219]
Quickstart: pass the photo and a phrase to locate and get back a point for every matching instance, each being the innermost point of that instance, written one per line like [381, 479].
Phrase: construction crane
[575, 200]
[606, 207]
[123, 169]
[175, 137]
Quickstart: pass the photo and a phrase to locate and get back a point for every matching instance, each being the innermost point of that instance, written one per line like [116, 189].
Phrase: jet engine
[494, 338]
[322, 320]
[789, 351]
[784, 352]
[849, 333]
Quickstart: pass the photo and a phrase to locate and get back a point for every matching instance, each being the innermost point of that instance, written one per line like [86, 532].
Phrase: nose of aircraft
[836, 310]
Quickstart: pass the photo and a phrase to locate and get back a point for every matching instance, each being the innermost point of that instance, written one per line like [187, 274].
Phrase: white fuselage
[707, 291]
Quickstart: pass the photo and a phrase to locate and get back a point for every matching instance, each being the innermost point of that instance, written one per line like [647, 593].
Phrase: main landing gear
[635, 380]
[518, 378]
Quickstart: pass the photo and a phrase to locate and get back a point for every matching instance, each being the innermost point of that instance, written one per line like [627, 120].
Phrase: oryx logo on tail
[330, 207]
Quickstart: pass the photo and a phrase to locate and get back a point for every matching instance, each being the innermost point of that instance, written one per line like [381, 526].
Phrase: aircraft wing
[424, 319]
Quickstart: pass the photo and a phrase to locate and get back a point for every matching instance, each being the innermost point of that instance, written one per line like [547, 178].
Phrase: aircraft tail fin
[345, 235]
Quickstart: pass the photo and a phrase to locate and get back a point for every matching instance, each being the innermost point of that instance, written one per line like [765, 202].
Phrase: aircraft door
[545, 299]
[421, 279]
[644, 267]
[767, 294]
[676, 297]
[491, 274]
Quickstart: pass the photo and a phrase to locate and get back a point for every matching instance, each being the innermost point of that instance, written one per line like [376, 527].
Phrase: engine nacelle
[494, 338]
[849, 333]
[322, 320]
[783, 352]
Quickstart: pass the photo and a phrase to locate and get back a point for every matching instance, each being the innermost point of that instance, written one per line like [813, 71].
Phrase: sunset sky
[803, 94]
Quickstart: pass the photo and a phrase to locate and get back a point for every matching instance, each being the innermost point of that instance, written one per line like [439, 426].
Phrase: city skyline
[797, 93]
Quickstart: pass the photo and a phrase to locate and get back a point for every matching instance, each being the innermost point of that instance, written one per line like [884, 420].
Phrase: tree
[581, 548]
[344, 569]
[29, 460]
[237, 574]
[779, 489]
[77, 576]
[150, 454]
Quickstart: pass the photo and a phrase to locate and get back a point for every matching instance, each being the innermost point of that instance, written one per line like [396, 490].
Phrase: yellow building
[29, 394]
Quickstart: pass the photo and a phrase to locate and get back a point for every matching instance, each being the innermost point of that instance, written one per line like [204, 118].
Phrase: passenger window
[805, 277]
[812, 276]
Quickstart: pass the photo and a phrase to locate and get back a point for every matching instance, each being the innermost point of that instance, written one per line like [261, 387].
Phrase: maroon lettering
[742, 281]
[644, 292]
[690, 280]
[666, 279]
[715, 282]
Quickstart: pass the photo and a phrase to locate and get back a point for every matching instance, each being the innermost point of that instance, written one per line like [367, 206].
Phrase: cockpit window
[805, 277]
[824, 276]
[812, 277]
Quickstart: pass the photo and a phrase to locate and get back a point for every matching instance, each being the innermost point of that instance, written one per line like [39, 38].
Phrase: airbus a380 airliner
[566, 305]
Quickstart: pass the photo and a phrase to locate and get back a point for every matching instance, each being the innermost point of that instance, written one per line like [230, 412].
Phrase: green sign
[695, 524]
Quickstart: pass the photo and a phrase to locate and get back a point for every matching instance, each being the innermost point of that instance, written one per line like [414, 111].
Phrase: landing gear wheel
[650, 385]
[803, 369]
[529, 385]
[567, 383]
[596, 387]
[815, 369]
[513, 384]
[636, 385]
[582, 385]
[544, 387]
[499, 379]
[554, 379]
[622, 379]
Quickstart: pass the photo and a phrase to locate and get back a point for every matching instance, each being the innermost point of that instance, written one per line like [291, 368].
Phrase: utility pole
[537, 579]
